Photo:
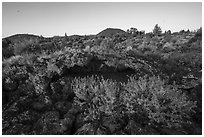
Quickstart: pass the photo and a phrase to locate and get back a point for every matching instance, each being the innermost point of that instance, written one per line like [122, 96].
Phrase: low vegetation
[115, 82]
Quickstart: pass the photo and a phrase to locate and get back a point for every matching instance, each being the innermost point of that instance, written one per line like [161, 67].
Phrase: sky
[57, 18]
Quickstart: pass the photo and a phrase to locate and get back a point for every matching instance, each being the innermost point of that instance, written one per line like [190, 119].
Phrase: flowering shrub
[95, 95]
[158, 103]
[147, 101]
[99, 100]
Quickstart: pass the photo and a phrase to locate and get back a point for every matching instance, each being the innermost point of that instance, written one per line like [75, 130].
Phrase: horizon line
[29, 33]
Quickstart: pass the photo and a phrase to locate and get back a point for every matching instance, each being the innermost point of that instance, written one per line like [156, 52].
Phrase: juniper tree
[157, 30]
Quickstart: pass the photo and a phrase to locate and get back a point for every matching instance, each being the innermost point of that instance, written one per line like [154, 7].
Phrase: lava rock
[24, 103]
[42, 104]
[9, 89]
[169, 131]
[74, 111]
[104, 68]
[68, 93]
[101, 131]
[111, 125]
[86, 129]
[61, 89]
[65, 127]
[10, 84]
[79, 121]
[67, 122]
[48, 124]
[56, 87]
[121, 68]
[120, 132]
[134, 128]
[5, 98]
[63, 106]
[28, 117]
[13, 108]
[56, 91]
[26, 89]
[18, 129]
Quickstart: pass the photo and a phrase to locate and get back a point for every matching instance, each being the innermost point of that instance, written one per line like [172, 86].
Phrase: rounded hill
[109, 32]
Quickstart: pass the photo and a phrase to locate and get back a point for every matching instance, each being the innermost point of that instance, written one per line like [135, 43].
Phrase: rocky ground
[102, 85]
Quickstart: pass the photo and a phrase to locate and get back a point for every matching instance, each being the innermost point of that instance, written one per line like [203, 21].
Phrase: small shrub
[97, 96]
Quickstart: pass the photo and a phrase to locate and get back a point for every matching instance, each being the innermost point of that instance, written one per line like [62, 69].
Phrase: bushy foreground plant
[160, 104]
[99, 102]
[95, 95]
[146, 101]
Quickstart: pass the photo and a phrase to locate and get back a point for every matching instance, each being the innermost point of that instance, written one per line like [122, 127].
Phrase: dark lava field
[112, 83]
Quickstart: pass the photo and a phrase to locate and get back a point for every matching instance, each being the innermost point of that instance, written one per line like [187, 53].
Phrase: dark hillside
[109, 32]
[22, 37]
